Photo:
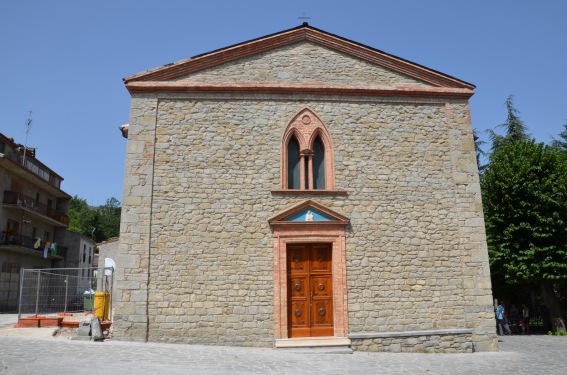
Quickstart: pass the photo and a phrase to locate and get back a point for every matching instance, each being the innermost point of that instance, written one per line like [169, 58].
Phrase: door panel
[299, 309]
[321, 258]
[322, 313]
[310, 290]
[321, 286]
[297, 259]
[299, 289]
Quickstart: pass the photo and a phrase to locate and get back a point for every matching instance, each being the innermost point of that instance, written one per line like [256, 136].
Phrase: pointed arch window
[293, 166]
[307, 154]
[318, 164]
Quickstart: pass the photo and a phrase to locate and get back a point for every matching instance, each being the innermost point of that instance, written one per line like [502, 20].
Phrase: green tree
[99, 223]
[479, 151]
[524, 191]
[561, 143]
[514, 127]
[81, 216]
[109, 219]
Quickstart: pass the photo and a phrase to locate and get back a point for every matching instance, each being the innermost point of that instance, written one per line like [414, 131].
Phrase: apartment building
[33, 218]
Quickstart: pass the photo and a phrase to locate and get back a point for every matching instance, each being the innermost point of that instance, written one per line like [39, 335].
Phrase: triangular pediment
[306, 62]
[309, 212]
[297, 49]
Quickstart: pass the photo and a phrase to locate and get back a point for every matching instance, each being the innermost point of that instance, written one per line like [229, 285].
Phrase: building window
[12, 227]
[318, 164]
[307, 154]
[293, 174]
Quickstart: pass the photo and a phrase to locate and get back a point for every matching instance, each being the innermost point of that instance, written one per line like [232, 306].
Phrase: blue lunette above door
[308, 214]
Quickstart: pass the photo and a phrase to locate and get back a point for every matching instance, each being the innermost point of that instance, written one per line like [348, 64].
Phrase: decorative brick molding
[308, 192]
[306, 126]
[291, 36]
[288, 232]
[299, 88]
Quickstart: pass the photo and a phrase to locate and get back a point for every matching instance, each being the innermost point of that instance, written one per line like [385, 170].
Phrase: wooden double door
[310, 290]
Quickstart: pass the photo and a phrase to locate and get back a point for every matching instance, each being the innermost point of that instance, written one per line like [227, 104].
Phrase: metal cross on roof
[304, 17]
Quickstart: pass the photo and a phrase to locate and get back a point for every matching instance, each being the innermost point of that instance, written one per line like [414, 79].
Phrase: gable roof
[146, 81]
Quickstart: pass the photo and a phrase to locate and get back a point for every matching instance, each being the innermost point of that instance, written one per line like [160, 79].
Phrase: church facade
[302, 189]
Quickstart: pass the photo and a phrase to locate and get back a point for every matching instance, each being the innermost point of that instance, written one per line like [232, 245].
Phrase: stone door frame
[330, 232]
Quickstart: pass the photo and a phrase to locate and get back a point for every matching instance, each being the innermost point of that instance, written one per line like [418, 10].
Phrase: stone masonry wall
[303, 62]
[477, 289]
[456, 343]
[130, 319]
[416, 256]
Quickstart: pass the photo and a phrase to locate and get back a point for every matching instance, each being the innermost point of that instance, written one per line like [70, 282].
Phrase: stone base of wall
[437, 341]
[209, 337]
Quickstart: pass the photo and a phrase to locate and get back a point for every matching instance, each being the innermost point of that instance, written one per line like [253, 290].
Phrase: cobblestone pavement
[37, 352]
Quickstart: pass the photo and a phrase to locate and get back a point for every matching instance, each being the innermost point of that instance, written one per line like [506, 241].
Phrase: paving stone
[532, 355]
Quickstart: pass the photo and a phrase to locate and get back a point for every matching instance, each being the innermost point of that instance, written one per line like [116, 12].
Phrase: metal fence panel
[62, 290]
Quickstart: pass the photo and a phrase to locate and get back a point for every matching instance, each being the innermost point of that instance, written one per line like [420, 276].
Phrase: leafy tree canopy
[561, 143]
[525, 205]
[97, 222]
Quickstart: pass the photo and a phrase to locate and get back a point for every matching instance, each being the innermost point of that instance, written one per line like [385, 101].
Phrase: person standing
[501, 322]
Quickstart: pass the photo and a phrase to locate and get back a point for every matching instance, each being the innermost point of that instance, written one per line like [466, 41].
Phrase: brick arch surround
[306, 126]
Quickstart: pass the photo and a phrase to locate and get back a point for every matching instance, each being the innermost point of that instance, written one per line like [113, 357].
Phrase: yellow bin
[101, 305]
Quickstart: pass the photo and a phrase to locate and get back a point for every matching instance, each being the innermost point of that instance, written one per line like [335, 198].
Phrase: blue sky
[65, 60]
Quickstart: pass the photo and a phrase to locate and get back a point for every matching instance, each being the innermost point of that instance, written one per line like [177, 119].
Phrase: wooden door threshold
[312, 342]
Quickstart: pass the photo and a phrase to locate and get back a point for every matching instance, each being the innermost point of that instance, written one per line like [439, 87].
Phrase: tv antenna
[28, 130]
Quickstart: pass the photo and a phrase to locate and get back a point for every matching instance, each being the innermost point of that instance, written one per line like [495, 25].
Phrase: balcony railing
[29, 242]
[14, 197]
[36, 169]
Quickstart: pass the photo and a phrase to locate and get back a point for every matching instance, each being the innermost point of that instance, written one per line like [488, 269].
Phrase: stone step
[307, 345]
[318, 350]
